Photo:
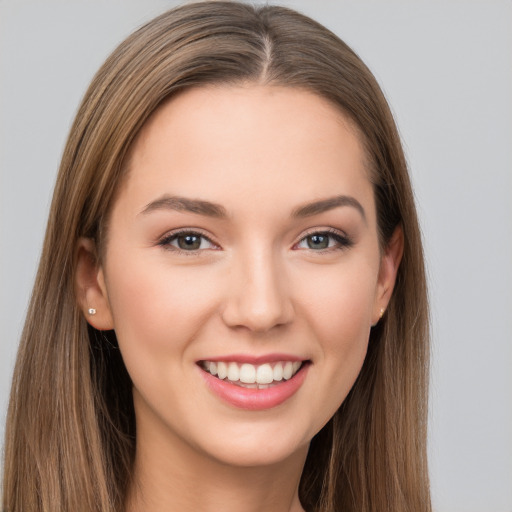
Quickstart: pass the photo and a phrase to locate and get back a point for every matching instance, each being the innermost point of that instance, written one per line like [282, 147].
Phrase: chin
[258, 442]
[258, 455]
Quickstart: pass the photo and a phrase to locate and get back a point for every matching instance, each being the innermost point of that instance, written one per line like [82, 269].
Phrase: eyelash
[166, 241]
[341, 241]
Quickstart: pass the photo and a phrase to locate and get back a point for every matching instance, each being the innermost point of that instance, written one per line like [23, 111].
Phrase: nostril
[260, 316]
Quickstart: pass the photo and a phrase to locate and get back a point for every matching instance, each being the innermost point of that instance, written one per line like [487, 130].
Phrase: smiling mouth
[252, 376]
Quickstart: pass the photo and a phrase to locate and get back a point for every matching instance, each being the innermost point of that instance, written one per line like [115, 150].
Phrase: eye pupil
[189, 242]
[318, 241]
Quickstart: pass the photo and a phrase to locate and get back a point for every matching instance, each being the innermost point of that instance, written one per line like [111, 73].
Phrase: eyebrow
[183, 204]
[330, 203]
[201, 207]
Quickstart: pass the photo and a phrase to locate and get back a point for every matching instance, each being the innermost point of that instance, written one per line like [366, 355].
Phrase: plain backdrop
[446, 68]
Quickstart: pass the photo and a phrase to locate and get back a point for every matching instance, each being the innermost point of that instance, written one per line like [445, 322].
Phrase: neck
[173, 476]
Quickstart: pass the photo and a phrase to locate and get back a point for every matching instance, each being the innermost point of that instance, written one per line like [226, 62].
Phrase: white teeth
[264, 374]
[247, 374]
[252, 376]
[278, 372]
[233, 372]
[222, 370]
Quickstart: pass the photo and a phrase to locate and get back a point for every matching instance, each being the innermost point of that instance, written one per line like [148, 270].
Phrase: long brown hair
[70, 437]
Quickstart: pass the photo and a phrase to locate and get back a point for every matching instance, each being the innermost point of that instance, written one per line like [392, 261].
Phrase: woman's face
[242, 245]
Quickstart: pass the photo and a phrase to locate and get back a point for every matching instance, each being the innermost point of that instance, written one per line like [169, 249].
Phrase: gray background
[446, 68]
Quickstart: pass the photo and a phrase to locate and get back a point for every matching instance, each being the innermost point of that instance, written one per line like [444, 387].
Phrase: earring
[382, 312]
[91, 311]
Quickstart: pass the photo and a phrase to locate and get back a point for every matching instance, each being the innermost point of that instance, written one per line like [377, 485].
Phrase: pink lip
[255, 399]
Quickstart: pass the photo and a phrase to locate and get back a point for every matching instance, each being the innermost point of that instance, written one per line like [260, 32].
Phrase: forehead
[237, 143]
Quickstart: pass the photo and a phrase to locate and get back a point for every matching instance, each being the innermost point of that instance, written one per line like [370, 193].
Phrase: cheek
[339, 314]
[156, 308]
[339, 302]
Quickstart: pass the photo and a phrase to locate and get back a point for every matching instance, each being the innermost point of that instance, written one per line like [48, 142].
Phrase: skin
[255, 286]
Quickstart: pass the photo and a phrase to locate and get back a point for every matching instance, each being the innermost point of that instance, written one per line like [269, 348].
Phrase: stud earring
[382, 312]
[91, 311]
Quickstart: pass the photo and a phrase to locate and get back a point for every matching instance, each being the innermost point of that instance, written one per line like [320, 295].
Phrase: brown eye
[187, 241]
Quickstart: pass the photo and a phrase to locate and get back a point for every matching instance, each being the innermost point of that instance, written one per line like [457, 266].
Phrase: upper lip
[255, 360]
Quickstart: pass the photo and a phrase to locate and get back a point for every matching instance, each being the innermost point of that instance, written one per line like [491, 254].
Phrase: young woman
[230, 311]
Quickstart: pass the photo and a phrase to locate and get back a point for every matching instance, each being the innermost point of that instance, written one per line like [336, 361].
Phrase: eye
[187, 241]
[324, 240]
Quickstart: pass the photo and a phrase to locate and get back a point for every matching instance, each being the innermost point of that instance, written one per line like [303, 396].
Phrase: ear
[389, 263]
[91, 290]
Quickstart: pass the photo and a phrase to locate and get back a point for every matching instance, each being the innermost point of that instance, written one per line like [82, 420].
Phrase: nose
[258, 295]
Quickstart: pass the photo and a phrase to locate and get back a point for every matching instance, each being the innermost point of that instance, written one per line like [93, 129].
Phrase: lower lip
[255, 399]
